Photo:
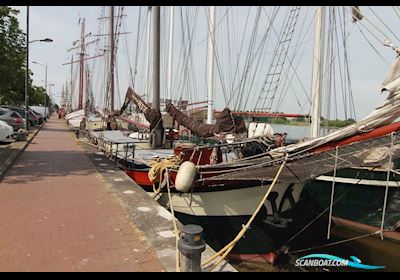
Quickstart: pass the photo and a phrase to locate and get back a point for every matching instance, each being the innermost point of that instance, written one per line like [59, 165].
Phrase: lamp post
[47, 40]
[45, 86]
[27, 68]
[51, 101]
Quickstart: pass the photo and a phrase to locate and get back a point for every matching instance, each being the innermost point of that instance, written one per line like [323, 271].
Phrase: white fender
[134, 135]
[185, 176]
[230, 138]
[260, 130]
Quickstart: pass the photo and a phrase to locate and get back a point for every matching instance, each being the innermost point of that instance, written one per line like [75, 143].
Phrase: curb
[152, 221]
[11, 159]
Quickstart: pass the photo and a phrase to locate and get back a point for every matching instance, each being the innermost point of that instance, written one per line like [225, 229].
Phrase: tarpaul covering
[225, 122]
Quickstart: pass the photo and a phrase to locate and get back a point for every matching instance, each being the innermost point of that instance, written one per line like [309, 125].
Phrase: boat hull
[358, 211]
[240, 201]
[370, 249]
[75, 122]
[222, 210]
[361, 193]
[262, 240]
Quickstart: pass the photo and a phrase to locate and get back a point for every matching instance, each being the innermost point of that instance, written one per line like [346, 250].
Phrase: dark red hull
[140, 176]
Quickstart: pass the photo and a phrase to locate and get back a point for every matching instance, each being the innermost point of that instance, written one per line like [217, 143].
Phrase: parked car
[6, 131]
[32, 119]
[44, 111]
[38, 116]
[12, 118]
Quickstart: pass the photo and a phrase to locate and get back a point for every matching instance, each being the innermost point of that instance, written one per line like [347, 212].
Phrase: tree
[37, 96]
[12, 58]
[350, 121]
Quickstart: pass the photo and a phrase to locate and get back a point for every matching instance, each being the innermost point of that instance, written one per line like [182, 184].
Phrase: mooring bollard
[22, 135]
[191, 245]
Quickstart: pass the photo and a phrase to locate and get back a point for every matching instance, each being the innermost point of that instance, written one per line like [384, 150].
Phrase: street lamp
[47, 40]
[45, 86]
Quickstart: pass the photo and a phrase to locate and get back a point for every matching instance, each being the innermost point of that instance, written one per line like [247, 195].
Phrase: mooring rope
[387, 184]
[176, 230]
[335, 243]
[317, 217]
[225, 251]
[332, 195]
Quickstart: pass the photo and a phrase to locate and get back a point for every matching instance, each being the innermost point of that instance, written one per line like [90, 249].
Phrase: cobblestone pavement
[56, 214]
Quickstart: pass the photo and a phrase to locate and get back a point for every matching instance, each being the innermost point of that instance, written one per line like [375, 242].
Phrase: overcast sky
[367, 68]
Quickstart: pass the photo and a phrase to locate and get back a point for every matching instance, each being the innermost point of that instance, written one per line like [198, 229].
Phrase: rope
[375, 50]
[225, 251]
[384, 24]
[368, 29]
[394, 9]
[332, 195]
[176, 231]
[387, 185]
[334, 243]
[157, 191]
[239, 53]
[201, 153]
[317, 217]
[138, 40]
[271, 83]
[366, 19]
[158, 167]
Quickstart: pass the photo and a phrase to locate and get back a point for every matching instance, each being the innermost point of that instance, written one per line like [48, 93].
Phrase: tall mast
[87, 90]
[317, 72]
[112, 59]
[66, 94]
[45, 90]
[62, 96]
[170, 45]
[81, 64]
[148, 55]
[158, 130]
[68, 107]
[71, 85]
[210, 84]
[27, 70]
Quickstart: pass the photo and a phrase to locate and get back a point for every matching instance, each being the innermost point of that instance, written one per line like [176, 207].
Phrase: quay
[65, 207]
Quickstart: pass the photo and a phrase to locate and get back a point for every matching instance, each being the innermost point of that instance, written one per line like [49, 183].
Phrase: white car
[41, 110]
[5, 131]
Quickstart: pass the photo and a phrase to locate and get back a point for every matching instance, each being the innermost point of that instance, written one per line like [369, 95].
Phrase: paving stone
[55, 206]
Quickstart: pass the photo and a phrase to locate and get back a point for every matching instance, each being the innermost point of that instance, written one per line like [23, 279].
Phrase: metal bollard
[191, 245]
[77, 133]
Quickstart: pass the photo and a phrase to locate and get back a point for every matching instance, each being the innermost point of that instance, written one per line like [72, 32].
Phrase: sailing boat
[350, 144]
[77, 119]
[363, 201]
[239, 197]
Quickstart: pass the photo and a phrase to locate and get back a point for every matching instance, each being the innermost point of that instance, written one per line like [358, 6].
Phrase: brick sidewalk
[56, 214]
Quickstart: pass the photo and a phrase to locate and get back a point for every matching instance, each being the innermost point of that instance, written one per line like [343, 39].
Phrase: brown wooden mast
[81, 65]
[112, 45]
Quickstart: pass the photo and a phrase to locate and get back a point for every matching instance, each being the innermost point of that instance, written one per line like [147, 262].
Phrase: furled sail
[392, 79]
[151, 115]
[225, 122]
